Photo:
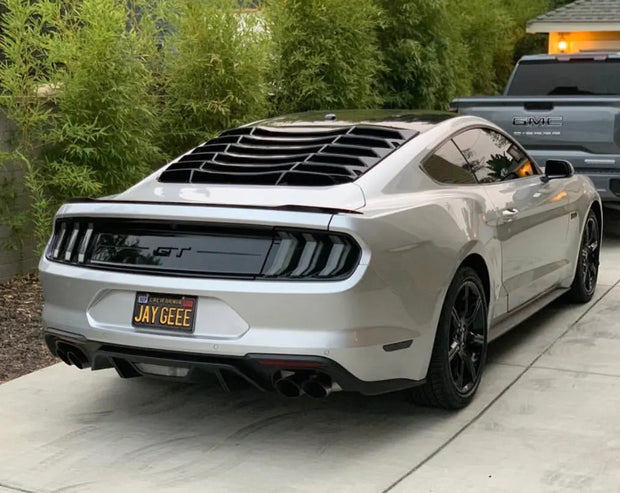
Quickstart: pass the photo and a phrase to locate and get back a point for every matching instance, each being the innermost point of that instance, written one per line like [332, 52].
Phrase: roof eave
[534, 27]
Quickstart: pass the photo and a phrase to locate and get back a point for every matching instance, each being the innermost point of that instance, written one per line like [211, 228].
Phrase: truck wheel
[612, 221]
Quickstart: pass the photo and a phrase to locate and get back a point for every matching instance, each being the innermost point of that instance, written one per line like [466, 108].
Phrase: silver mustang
[366, 251]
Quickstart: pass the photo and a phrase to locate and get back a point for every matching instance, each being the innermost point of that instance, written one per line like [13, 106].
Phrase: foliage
[75, 83]
[494, 34]
[522, 12]
[425, 61]
[101, 137]
[325, 54]
[214, 71]
[490, 32]
[10, 206]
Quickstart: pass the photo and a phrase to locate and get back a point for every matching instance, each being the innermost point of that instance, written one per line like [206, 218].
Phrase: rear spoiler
[286, 207]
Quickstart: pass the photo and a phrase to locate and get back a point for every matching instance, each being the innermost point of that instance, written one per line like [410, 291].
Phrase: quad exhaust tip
[295, 384]
[318, 386]
[72, 355]
[290, 386]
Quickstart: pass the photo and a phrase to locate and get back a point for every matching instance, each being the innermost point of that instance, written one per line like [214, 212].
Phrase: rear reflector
[281, 363]
[162, 371]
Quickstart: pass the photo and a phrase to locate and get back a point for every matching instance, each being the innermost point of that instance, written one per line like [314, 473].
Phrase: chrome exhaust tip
[289, 386]
[318, 386]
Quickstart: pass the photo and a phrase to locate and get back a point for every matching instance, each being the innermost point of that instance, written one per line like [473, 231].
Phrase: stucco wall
[13, 263]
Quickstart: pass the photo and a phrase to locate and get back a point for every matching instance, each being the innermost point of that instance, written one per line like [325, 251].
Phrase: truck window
[493, 157]
[447, 165]
[568, 78]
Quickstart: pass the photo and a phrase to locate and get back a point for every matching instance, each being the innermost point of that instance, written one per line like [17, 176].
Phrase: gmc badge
[538, 121]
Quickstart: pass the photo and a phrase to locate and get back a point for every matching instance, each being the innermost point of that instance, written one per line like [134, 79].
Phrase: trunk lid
[347, 196]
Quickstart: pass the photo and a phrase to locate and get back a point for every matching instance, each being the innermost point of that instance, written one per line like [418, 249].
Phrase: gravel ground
[22, 348]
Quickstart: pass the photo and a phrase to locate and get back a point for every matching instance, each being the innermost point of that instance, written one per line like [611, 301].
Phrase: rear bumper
[354, 322]
[260, 370]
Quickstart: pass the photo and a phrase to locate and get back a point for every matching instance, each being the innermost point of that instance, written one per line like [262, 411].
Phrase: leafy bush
[426, 63]
[325, 54]
[490, 33]
[494, 33]
[435, 50]
[214, 70]
[75, 83]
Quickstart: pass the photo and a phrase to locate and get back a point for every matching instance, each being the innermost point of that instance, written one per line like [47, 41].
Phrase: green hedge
[214, 71]
[425, 60]
[325, 54]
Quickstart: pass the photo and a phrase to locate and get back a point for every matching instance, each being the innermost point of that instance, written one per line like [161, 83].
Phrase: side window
[493, 157]
[447, 165]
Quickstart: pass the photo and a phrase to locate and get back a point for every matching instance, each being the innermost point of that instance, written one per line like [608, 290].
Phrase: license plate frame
[163, 311]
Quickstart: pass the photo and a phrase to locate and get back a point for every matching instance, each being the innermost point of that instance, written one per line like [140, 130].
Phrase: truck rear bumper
[607, 185]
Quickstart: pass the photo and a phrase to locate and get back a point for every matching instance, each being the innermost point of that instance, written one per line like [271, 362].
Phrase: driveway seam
[573, 324]
[514, 365]
[494, 400]
[580, 372]
[15, 488]
[453, 437]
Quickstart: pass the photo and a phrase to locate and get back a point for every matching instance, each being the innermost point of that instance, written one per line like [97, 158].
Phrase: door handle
[509, 212]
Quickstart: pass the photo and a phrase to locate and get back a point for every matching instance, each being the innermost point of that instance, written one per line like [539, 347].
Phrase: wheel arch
[477, 262]
[598, 210]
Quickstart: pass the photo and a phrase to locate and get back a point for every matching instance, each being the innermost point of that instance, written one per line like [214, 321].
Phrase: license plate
[164, 311]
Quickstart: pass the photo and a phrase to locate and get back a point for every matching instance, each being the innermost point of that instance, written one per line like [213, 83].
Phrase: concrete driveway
[546, 418]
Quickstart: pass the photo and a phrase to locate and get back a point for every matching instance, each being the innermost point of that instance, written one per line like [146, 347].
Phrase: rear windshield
[571, 78]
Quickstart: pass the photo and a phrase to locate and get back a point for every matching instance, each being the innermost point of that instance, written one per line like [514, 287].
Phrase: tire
[586, 274]
[460, 347]
[611, 221]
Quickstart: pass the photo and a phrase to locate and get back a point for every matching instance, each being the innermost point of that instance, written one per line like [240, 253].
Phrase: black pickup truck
[563, 107]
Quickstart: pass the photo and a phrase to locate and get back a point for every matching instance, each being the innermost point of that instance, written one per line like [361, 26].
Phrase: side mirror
[558, 168]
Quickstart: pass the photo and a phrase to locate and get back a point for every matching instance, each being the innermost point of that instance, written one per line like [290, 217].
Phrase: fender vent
[287, 156]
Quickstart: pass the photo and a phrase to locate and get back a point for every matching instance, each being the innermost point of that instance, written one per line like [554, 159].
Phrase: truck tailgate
[570, 123]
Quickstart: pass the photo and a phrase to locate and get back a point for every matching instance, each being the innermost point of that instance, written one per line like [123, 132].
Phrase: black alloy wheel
[586, 274]
[459, 352]
[466, 337]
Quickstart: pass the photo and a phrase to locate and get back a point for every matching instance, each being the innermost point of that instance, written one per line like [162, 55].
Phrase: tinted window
[493, 157]
[566, 78]
[447, 165]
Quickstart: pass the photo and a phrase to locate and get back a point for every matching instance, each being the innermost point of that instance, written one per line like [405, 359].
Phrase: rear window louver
[287, 156]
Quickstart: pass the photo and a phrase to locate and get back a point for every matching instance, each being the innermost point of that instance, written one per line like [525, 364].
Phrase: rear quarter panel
[417, 242]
